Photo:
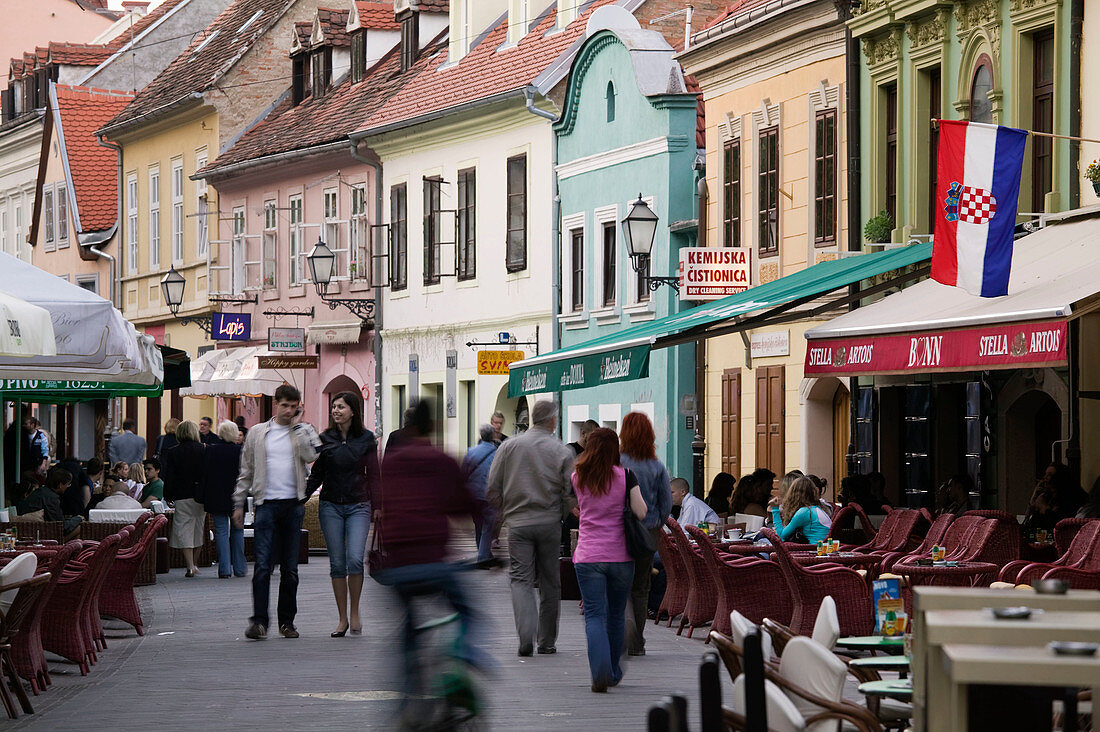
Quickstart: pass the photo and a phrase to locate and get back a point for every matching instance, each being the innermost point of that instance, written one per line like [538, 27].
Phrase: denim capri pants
[345, 526]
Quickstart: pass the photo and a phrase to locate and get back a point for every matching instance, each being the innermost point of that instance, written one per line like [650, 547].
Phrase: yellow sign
[495, 363]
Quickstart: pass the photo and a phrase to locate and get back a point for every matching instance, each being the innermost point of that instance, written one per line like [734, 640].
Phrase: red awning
[1005, 346]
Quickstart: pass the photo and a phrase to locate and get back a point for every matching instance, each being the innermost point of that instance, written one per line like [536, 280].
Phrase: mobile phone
[298, 412]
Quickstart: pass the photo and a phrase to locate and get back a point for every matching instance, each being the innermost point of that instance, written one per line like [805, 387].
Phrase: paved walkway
[194, 669]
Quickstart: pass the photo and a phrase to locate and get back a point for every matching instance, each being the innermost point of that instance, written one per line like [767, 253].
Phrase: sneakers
[288, 631]
[547, 650]
[525, 650]
[255, 632]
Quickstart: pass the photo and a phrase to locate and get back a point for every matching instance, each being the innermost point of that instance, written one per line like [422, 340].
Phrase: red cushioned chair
[934, 536]
[66, 626]
[1003, 544]
[809, 585]
[1023, 572]
[28, 592]
[752, 586]
[116, 599]
[27, 653]
[678, 584]
[702, 598]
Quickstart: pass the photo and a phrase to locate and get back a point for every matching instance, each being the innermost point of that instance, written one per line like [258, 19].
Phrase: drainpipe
[115, 285]
[377, 166]
[555, 235]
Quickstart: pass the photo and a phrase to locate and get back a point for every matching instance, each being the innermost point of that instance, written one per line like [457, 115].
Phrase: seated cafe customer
[693, 511]
[801, 514]
[47, 499]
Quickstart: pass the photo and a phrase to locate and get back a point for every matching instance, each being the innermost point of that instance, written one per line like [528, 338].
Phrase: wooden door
[731, 422]
[152, 424]
[769, 419]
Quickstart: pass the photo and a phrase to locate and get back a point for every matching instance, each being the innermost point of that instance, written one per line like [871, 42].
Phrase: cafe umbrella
[25, 329]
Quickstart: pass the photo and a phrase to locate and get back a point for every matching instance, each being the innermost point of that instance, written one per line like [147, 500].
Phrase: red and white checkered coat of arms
[973, 205]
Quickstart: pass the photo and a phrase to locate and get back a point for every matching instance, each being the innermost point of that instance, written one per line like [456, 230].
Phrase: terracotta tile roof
[303, 30]
[78, 54]
[319, 121]
[334, 27]
[376, 15]
[693, 87]
[209, 57]
[80, 112]
[433, 6]
[481, 73]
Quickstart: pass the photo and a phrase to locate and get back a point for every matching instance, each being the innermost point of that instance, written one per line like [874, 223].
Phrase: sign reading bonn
[711, 273]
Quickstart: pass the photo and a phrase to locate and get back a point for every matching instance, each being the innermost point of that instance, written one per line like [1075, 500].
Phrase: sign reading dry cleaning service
[495, 363]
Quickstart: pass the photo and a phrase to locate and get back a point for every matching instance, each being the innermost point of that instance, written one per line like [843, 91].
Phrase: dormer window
[410, 39]
[299, 85]
[321, 60]
[358, 56]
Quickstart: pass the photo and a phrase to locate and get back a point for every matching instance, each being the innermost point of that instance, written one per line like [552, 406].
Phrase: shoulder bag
[639, 542]
[376, 555]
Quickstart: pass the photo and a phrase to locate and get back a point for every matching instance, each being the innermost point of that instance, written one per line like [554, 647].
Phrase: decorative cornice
[975, 14]
[636, 151]
[868, 6]
[932, 30]
[883, 49]
[1023, 6]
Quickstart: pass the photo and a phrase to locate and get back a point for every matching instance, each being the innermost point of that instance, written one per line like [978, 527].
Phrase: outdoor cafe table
[848, 559]
[900, 689]
[965, 664]
[886, 644]
[900, 664]
[928, 575]
[1071, 617]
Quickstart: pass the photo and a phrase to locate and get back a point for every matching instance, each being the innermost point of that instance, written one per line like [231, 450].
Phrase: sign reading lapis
[231, 326]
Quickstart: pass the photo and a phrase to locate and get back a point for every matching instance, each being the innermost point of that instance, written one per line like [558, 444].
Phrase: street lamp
[173, 285]
[322, 267]
[639, 230]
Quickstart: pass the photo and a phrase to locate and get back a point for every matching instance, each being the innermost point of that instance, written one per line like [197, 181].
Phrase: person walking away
[154, 489]
[207, 436]
[638, 454]
[274, 463]
[347, 472]
[476, 466]
[221, 465]
[424, 488]
[127, 446]
[183, 480]
[529, 488]
[801, 513]
[693, 511]
[605, 570]
[166, 441]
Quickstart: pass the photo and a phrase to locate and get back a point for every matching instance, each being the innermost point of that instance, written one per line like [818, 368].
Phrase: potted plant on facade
[1093, 174]
[879, 228]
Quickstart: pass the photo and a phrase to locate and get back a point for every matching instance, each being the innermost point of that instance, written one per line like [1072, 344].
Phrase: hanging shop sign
[231, 327]
[1015, 345]
[711, 273]
[286, 340]
[774, 343]
[496, 363]
[287, 362]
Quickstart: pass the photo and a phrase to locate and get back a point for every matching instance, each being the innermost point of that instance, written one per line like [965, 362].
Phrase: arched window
[981, 106]
[610, 101]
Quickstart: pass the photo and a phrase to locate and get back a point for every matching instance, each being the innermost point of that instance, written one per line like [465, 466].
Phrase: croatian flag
[977, 184]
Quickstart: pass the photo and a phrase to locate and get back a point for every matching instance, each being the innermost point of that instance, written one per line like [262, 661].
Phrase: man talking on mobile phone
[274, 464]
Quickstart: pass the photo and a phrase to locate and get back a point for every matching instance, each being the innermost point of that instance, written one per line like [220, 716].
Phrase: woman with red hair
[638, 450]
[604, 567]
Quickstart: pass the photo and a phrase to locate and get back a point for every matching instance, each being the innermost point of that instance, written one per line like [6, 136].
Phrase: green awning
[48, 391]
[625, 355]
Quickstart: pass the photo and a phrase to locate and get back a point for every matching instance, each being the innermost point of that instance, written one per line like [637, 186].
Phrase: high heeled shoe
[338, 633]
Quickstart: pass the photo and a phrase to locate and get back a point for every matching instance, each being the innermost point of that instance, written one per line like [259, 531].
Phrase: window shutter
[731, 421]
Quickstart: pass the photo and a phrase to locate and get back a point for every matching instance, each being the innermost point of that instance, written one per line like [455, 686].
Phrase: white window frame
[177, 211]
[295, 210]
[601, 216]
[238, 266]
[359, 244]
[48, 214]
[202, 209]
[270, 248]
[4, 229]
[570, 224]
[131, 223]
[154, 217]
[18, 226]
[330, 200]
[61, 204]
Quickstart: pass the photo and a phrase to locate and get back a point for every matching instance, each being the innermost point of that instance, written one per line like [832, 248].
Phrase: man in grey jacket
[127, 446]
[273, 471]
[530, 488]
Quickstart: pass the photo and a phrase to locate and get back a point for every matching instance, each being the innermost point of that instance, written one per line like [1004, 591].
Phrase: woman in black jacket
[221, 464]
[183, 481]
[347, 471]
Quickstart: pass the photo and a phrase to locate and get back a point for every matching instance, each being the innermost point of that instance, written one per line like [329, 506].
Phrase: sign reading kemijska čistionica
[286, 340]
[711, 273]
[231, 327]
[582, 371]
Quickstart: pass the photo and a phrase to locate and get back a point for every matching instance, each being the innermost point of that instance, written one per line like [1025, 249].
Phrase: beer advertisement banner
[579, 372]
[1014, 345]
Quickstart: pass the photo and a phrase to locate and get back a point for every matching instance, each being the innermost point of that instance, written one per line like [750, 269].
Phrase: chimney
[138, 7]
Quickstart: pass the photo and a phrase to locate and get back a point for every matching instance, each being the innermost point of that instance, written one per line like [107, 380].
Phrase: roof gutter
[518, 93]
[111, 129]
[231, 168]
[742, 20]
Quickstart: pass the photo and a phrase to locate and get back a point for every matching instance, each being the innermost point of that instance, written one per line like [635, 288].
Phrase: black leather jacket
[346, 470]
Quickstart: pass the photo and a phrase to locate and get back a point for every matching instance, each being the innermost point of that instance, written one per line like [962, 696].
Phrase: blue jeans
[605, 589]
[483, 531]
[230, 542]
[277, 526]
[437, 578]
[345, 526]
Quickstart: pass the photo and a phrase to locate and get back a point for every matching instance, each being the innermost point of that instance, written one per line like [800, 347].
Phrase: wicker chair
[27, 595]
[809, 585]
[116, 599]
[884, 540]
[753, 587]
[678, 584]
[1066, 529]
[1086, 574]
[934, 536]
[844, 526]
[27, 653]
[66, 629]
[1084, 543]
[702, 598]
[1003, 544]
[956, 540]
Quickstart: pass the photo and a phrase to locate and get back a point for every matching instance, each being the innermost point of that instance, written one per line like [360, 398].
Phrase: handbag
[376, 557]
[639, 542]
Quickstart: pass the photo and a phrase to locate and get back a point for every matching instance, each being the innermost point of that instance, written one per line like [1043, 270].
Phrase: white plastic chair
[810, 667]
[827, 624]
[783, 715]
[740, 626]
[19, 569]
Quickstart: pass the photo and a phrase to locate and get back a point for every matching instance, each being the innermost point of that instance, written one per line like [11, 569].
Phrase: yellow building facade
[774, 92]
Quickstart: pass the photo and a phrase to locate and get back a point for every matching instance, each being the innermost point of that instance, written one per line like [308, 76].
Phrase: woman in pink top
[605, 570]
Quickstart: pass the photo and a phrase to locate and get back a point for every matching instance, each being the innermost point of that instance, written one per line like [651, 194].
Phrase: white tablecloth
[114, 516]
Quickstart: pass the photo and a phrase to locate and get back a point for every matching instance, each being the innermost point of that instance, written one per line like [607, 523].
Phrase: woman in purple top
[605, 570]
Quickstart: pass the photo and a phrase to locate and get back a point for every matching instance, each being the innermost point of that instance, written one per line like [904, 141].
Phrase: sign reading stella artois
[711, 273]
[966, 349]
